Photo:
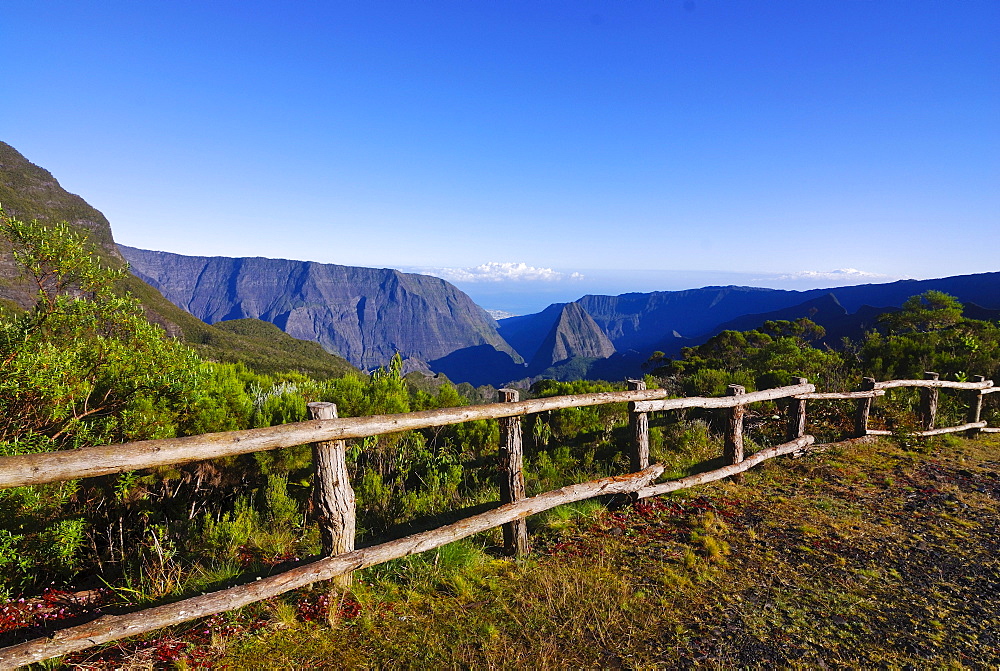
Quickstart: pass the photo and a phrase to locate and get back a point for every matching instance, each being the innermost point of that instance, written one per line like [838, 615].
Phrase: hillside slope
[267, 349]
[28, 192]
[641, 321]
[638, 324]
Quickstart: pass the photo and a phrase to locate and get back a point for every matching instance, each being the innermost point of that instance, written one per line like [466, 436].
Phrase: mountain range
[367, 315]
[336, 317]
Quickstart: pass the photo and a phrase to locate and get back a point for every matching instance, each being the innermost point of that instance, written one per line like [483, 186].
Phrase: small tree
[82, 364]
[79, 366]
[926, 312]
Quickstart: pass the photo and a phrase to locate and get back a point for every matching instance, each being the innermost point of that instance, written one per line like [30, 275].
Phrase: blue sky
[543, 148]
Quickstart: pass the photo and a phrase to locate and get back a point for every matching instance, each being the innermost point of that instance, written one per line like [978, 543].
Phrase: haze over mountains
[367, 315]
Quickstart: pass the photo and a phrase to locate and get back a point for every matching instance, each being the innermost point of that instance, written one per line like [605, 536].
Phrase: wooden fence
[334, 498]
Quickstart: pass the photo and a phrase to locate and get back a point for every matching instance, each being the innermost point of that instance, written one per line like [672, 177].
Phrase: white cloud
[496, 271]
[839, 275]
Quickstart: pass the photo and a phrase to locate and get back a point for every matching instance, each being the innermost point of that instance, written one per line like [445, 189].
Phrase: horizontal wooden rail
[936, 384]
[727, 471]
[840, 395]
[721, 401]
[113, 627]
[990, 390]
[37, 469]
[938, 432]
[950, 429]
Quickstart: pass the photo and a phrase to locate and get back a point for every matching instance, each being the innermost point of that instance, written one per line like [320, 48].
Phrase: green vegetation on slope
[259, 345]
[82, 365]
[29, 192]
[265, 348]
[928, 334]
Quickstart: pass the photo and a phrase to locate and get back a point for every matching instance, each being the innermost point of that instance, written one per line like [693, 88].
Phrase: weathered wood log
[981, 426]
[864, 407]
[511, 475]
[113, 627]
[975, 408]
[796, 413]
[990, 429]
[935, 383]
[990, 390]
[842, 395]
[950, 429]
[929, 402]
[733, 452]
[333, 496]
[87, 462]
[723, 401]
[726, 471]
[639, 425]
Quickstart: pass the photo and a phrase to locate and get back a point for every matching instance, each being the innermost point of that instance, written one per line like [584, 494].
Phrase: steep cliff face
[30, 192]
[526, 333]
[365, 315]
[639, 321]
[574, 334]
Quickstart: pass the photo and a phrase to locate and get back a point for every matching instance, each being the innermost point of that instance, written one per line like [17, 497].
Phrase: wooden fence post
[639, 423]
[734, 431]
[864, 408]
[975, 406]
[796, 413]
[333, 496]
[511, 457]
[928, 402]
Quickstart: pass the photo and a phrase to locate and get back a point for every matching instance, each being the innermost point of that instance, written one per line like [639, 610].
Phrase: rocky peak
[574, 334]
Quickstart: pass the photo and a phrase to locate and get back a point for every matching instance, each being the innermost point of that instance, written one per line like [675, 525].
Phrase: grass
[873, 556]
